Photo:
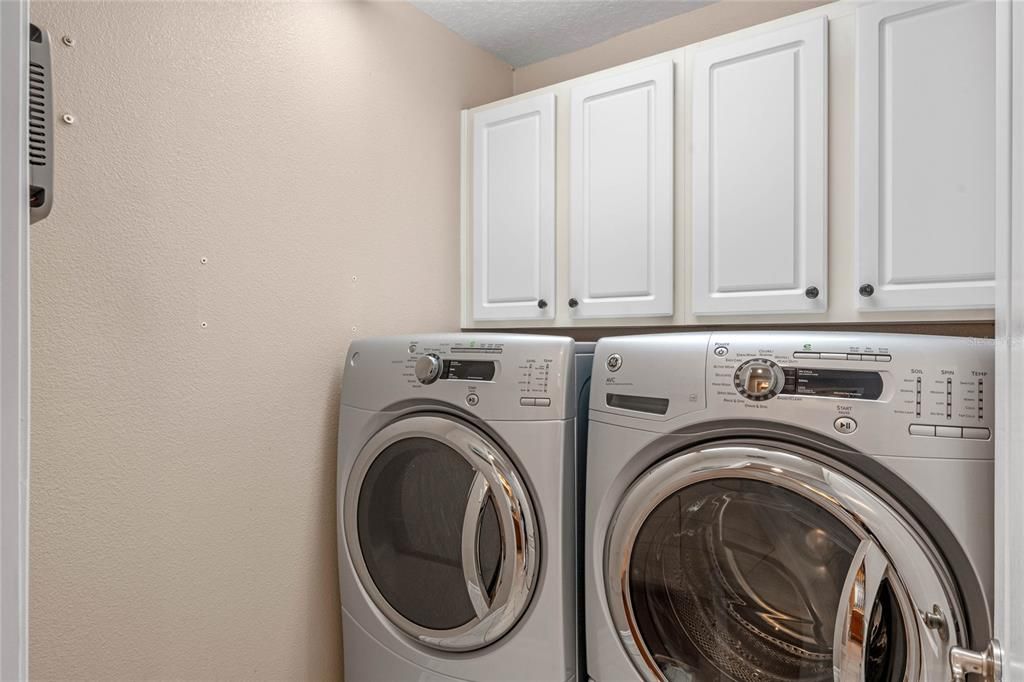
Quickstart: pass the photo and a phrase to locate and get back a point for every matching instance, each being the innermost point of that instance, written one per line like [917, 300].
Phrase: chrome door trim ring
[799, 471]
[516, 518]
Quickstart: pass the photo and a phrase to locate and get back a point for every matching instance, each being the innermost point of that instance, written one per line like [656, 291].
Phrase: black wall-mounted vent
[40, 124]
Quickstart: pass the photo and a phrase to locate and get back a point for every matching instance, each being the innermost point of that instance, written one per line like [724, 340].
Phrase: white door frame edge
[14, 340]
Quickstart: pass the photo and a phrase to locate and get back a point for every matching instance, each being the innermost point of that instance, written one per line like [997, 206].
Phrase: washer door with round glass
[749, 562]
[441, 532]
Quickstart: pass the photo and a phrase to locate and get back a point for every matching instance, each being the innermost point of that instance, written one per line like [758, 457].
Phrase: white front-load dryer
[788, 506]
[456, 519]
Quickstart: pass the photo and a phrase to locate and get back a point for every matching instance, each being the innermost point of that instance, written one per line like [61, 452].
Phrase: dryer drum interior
[411, 508]
[747, 563]
[441, 532]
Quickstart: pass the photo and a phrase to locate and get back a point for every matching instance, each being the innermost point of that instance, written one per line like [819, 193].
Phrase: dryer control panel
[494, 376]
[893, 393]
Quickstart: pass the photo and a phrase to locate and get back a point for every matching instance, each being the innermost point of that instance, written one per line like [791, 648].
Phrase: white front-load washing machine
[456, 520]
[788, 506]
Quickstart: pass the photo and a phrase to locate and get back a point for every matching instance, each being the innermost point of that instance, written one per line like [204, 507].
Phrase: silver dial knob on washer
[428, 368]
[759, 379]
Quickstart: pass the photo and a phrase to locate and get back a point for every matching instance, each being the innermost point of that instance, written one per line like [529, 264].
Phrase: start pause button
[845, 425]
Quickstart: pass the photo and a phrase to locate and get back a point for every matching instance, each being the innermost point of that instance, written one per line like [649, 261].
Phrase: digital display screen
[468, 370]
[833, 383]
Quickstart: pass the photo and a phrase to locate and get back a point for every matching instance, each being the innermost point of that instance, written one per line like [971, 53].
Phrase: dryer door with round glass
[441, 532]
[749, 562]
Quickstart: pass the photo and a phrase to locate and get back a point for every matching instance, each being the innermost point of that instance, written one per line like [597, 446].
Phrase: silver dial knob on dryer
[428, 368]
[759, 379]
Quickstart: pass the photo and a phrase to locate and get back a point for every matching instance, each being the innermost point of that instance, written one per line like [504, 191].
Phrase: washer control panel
[893, 393]
[864, 385]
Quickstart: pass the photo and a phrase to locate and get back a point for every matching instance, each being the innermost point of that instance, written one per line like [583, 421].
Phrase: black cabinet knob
[811, 292]
[542, 304]
[573, 303]
[866, 290]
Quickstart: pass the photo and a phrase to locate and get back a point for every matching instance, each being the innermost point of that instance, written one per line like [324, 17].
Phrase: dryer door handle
[478, 496]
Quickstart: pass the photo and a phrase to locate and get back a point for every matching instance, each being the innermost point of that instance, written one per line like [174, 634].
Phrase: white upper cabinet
[930, 145]
[514, 211]
[760, 127]
[854, 146]
[621, 190]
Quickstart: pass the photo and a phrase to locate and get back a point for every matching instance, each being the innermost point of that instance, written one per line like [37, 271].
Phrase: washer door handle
[987, 663]
[478, 495]
[853, 622]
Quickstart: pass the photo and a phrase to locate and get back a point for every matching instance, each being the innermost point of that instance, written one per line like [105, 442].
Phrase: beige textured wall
[679, 31]
[184, 414]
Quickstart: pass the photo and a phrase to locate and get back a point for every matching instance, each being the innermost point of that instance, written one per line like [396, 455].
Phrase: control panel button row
[866, 357]
[969, 432]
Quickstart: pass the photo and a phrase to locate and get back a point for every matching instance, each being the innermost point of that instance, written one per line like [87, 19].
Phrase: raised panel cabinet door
[514, 211]
[760, 173]
[621, 189]
[931, 139]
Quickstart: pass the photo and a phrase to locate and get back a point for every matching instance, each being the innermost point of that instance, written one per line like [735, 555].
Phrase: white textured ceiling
[522, 32]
